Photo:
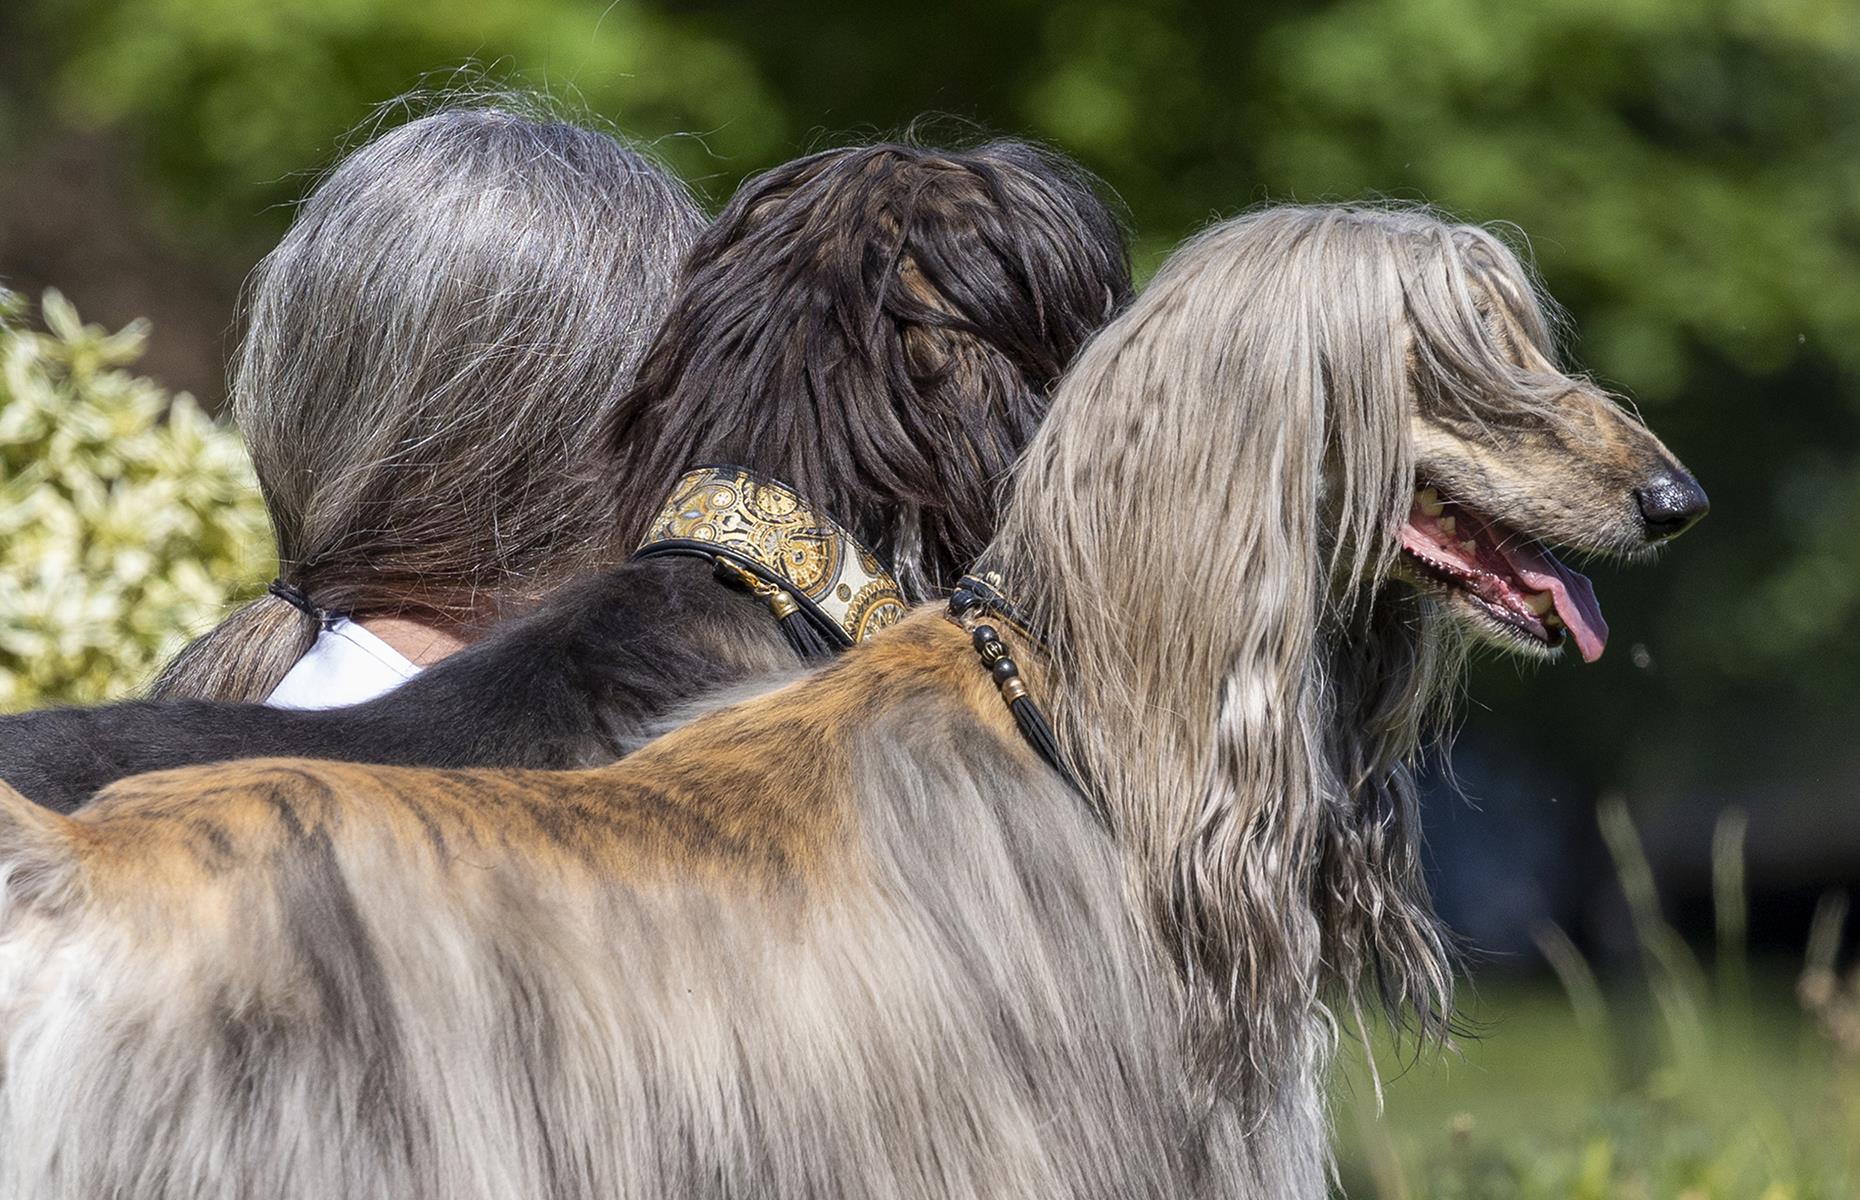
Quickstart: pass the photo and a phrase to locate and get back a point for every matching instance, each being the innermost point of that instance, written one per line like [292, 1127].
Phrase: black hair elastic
[295, 597]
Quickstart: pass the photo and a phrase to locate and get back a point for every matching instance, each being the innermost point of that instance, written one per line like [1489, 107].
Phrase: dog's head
[1513, 457]
[1321, 439]
[1330, 420]
[879, 326]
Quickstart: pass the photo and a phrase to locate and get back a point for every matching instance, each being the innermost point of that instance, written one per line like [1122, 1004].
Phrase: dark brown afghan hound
[857, 936]
[876, 326]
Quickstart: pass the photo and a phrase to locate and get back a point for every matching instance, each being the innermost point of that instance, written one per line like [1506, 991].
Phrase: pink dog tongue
[1571, 591]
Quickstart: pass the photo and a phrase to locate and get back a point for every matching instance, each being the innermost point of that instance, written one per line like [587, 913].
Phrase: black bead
[984, 635]
[1004, 670]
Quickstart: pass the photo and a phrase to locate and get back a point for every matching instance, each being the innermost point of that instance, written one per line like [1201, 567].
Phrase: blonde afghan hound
[857, 936]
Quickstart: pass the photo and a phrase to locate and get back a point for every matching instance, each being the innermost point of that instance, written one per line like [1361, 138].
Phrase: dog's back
[702, 972]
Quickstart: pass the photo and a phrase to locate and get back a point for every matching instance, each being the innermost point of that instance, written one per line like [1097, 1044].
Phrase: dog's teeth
[1429, 500]
[1448, 524]
[1539, 603]
[1469, 545]
[1552, 621]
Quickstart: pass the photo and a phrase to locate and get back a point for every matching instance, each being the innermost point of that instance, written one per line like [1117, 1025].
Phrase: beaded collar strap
[828, 591]
[976, 599]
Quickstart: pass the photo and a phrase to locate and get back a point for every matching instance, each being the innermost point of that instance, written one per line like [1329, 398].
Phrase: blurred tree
[233, 102]
[153, 148]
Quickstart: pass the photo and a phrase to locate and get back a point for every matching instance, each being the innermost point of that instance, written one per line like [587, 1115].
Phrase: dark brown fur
[885, 349]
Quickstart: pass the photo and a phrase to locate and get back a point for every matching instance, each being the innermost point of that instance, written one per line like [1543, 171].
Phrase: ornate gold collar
[764, 536]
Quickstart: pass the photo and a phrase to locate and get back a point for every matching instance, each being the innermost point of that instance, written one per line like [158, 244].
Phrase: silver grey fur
[982, 992]
[427, 356]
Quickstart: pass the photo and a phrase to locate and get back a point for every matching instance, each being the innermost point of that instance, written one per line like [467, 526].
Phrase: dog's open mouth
[1512, 581]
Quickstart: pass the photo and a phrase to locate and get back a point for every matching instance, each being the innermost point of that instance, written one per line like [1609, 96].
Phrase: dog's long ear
[1230, 466]
[1174, 519]
[38, 859]
[1376, 916]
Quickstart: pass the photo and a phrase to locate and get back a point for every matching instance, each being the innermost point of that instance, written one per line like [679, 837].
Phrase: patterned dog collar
[762, 528]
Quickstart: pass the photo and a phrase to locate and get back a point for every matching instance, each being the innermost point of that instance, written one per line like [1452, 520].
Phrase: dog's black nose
[1671, 502]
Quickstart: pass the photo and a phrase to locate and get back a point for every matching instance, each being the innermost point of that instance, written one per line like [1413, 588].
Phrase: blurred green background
[1687, 173]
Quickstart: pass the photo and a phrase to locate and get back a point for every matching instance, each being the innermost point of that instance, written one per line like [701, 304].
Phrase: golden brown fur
[754, 796]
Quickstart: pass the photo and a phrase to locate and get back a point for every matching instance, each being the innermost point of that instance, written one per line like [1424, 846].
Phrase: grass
[1738, 1082]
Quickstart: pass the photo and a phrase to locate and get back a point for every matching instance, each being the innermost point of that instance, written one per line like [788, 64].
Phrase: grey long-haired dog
[853, 937]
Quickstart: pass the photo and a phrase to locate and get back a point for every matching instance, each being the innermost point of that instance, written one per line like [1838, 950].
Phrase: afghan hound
[858, 936]
[878, 327]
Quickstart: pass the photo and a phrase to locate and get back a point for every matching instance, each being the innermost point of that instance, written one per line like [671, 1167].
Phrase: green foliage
[233, 104]
[1686, 1086]
[1689, 165]
[128, 518]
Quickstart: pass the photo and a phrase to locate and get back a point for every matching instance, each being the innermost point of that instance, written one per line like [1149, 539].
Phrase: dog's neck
[1270, 829]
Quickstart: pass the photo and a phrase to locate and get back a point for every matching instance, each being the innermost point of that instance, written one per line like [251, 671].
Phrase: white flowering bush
[129, 519]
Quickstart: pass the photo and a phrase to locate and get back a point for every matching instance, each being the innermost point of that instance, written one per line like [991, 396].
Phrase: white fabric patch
[347, 665]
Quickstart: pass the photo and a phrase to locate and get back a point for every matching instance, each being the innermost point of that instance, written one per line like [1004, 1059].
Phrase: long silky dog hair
[853, 936]
[876, 325]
